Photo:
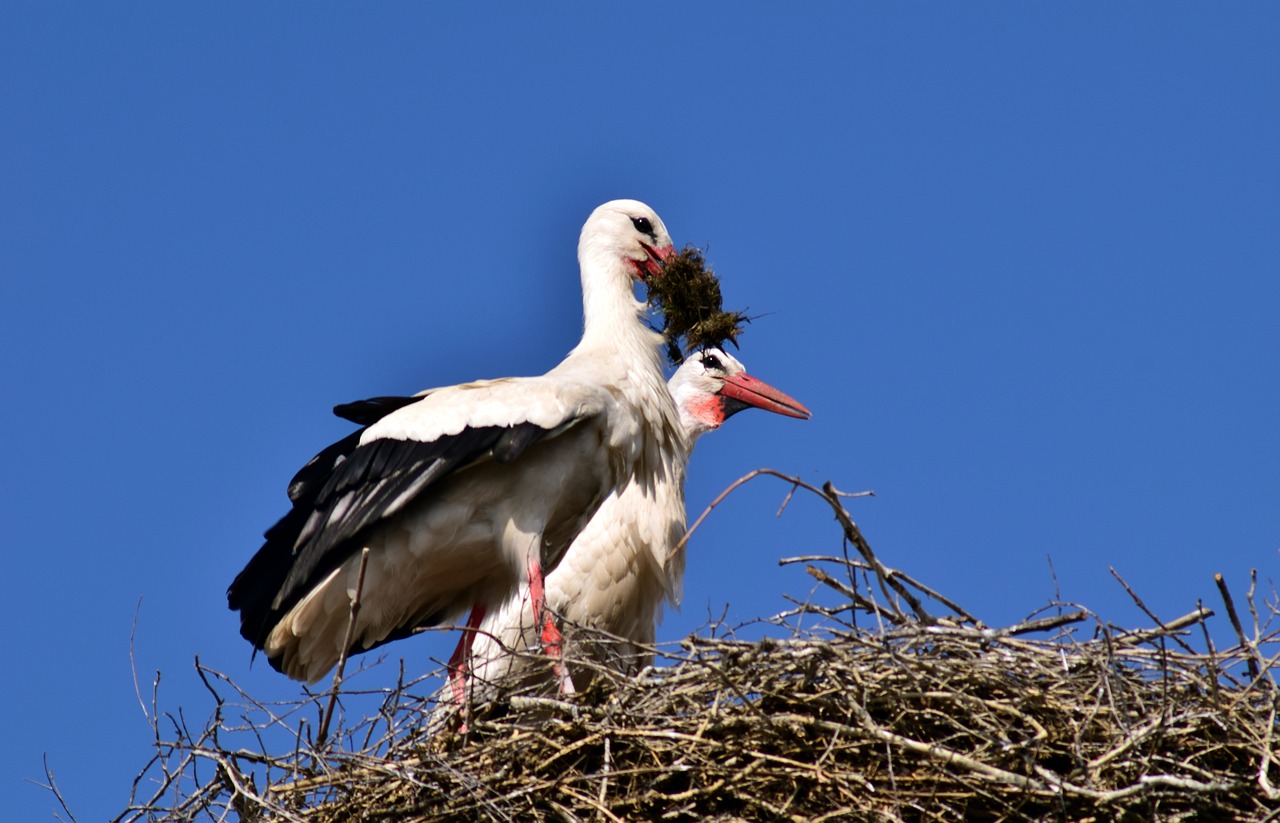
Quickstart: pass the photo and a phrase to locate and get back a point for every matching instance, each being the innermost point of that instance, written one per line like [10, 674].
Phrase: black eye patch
[642, 225]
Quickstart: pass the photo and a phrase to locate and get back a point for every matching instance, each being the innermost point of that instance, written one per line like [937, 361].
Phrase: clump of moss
[687, 296]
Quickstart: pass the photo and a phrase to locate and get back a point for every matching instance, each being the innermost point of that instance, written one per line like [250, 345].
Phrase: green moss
[687, 297]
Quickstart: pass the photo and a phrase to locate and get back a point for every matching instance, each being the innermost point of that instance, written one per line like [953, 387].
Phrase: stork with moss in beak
[468, 494]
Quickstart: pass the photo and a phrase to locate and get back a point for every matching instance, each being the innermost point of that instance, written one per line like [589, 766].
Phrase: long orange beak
[750, 392]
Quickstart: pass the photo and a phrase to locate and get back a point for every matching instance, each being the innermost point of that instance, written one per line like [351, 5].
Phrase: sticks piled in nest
[812, 717]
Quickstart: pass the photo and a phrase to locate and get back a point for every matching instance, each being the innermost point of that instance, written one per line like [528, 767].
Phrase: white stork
[615, 575]
[467, 493]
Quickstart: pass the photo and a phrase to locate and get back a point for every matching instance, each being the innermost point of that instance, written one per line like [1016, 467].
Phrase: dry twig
[323, 732]
[924, 719]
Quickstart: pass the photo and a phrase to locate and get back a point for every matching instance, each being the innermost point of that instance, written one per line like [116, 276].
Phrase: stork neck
[612, 316]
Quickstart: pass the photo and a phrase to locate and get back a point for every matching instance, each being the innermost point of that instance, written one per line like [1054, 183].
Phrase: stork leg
[552, 639]
[460, 661]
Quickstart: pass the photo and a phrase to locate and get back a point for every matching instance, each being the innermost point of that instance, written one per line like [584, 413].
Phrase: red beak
[758, 394]
[653, 266]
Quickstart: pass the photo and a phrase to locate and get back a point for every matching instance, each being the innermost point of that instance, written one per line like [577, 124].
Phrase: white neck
[613, 324]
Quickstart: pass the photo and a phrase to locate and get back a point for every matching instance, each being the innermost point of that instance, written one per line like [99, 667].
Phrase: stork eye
[712, 362]
[642, 225]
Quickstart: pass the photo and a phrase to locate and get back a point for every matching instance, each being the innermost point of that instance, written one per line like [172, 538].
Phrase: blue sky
[1020, 260]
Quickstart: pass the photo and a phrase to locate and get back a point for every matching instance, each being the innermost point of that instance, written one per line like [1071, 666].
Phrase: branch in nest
[921, 719]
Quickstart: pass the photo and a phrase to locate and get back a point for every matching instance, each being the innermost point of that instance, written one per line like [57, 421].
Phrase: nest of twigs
[687, 298]
[890, 702]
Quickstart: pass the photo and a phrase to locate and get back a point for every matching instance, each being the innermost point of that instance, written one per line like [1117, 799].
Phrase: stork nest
[888, 703]
[687, 297]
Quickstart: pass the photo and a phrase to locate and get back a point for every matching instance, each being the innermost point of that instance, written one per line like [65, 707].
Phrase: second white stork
[611, 584]
[467, 493]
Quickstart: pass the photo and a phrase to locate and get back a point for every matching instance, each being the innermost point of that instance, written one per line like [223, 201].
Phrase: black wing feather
[515, 440]
[306, 484]
[362, 412]
[368, 412]
[340, 494]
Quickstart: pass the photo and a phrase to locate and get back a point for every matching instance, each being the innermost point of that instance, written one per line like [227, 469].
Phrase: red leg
[460, 661]
[552, 639]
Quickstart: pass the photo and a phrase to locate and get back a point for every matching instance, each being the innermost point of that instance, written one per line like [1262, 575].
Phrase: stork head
[712, 386]
[625, 235]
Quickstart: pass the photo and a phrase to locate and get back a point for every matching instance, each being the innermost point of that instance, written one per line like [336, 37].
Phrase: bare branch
[1252, 662]
[803, 716]
[323, 733]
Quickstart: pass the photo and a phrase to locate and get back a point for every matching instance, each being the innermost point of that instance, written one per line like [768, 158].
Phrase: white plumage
[464, 493]
[611, 584]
